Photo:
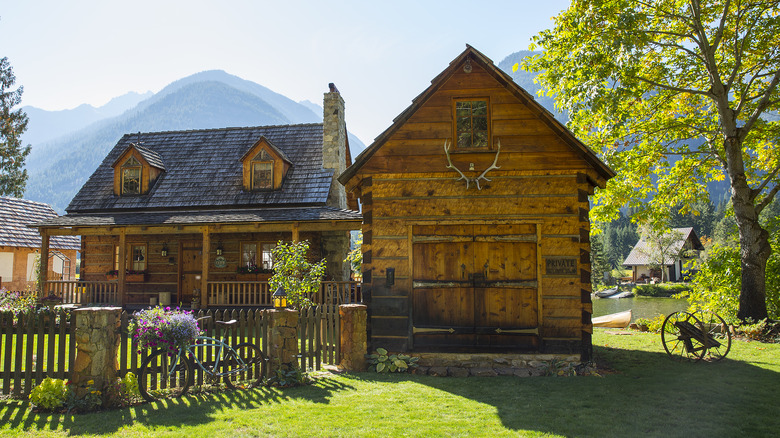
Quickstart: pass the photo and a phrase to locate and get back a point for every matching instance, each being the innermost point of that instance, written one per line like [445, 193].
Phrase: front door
[475, 286]
[191, 268]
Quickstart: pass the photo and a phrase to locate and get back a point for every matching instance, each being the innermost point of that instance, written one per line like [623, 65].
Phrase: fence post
[97, 344]
[353, 340]
[282, 339]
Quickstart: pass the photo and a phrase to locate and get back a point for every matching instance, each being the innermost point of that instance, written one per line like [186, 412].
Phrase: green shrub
[661, 290]
[128, 387]
[288, 378]
[653, 324]
[300, 278]
[382, 362]
[717, 285]
[50, 394]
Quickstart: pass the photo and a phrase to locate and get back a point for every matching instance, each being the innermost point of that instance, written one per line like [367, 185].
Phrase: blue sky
[380, 55]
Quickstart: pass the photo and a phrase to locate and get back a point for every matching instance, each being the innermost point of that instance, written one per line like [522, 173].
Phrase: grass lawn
[646, 394]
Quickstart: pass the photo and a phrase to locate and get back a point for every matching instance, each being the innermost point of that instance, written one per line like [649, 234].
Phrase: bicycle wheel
[248, 372]
[156, 381]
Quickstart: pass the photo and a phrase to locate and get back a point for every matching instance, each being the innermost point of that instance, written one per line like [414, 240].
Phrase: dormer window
[472, 127]
[264, 166]
[131, 177]
[136, 170]
[262, 171]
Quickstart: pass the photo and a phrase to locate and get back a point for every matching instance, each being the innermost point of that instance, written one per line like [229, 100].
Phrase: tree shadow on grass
[647, 395]
[193, 409]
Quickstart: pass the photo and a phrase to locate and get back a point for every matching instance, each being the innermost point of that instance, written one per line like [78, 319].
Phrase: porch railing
[258, 293]
[84, 292]
[220, 293]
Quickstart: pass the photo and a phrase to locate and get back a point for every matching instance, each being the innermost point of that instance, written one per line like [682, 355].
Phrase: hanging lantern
[164, 251]
[219, 249]
[280, 298]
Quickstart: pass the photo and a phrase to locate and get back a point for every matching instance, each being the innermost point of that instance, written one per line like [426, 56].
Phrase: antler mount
[462, 175]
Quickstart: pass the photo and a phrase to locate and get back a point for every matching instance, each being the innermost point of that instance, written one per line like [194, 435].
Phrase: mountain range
[59, 166]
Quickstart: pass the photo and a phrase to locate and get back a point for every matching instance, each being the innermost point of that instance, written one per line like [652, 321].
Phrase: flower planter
[129, 278]
[246, 277]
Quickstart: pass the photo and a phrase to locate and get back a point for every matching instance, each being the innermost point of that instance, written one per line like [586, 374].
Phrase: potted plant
[163, 327]
[253, 273]
[195, 303]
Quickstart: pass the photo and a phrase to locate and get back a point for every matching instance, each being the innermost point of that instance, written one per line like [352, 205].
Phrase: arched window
[131, 177]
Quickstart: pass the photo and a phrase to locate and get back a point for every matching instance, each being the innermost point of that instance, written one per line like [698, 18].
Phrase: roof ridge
[11, 198]
[227, 128]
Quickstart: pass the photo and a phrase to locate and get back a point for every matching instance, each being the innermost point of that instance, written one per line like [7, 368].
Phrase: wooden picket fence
[40, 345]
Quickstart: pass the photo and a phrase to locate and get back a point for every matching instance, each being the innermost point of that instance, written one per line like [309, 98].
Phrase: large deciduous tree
[675, 94]
[13, 176]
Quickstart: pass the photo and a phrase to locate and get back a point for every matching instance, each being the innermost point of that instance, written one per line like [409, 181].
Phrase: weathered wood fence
[40, 345]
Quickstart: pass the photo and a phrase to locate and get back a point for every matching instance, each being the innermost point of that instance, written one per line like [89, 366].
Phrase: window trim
[488, 116]
[252, 181]
[131, 265]
[125, 166]
[259, 252]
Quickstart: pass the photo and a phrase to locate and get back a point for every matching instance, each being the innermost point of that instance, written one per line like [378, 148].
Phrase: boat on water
[607, 292]
[624, 294]
[613, 320]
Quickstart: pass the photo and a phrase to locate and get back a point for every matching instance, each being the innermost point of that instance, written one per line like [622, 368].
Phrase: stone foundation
[488, 364]
[282, 347]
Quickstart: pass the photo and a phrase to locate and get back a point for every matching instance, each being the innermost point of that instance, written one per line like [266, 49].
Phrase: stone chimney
[334, 144]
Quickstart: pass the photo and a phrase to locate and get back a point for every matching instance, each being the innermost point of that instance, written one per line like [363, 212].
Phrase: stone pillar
[334, 144]
[97, 345]
[282, 338]
[354, 341]
[335, 247]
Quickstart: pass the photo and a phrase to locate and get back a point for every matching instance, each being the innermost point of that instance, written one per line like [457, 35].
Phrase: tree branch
[755, 192]
[762, 105]
[768, 199]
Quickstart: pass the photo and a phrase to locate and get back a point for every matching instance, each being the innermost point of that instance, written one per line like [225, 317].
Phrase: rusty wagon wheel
[718, 339]
[677, 338]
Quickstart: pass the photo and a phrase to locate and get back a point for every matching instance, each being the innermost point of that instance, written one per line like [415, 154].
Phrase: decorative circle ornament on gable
[220, 262]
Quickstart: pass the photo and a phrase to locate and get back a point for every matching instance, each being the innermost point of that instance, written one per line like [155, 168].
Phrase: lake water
[641, 307]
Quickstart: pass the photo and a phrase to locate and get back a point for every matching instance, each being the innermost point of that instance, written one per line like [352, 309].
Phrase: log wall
[542, 180]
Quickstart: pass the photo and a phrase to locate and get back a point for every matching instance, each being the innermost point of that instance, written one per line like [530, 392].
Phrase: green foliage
[300, 278]
[652, 324]
[383, 362]
[558, 368]
[355, 257]
[22, 302]
[716, 286]
[128, 388]
[661, 290]
[283, 378]
[90, 401]
[50, 394]
[599, 262]
[674, 96]
[13, 123]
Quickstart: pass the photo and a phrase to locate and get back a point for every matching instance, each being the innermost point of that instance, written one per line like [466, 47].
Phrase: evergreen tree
[13, 176]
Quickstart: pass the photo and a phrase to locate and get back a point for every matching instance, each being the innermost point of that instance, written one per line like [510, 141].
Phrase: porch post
[204, 275]
[295, 234]
[43, 264]
[122, 266]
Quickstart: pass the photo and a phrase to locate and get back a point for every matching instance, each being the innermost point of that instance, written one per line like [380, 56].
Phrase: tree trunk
[753, 240]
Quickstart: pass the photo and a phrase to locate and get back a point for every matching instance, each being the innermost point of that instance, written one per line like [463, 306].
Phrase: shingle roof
[197, 217]
[640, 254]
[203, 169]
[153, 158]
[16, 214]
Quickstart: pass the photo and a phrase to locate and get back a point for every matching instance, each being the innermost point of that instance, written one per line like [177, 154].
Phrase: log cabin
[475, 221]
[190, 217]
[20, 245]
[669, 251]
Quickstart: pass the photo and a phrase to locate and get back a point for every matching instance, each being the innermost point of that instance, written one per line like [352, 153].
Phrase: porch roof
[204, 217]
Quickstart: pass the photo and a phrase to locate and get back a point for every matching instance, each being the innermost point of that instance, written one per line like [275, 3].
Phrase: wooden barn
[475, 221]
[191, 217]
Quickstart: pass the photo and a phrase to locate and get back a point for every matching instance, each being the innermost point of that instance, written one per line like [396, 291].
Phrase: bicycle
[166, 374]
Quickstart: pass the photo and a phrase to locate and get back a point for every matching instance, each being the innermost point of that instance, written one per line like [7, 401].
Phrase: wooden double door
[475, 287]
